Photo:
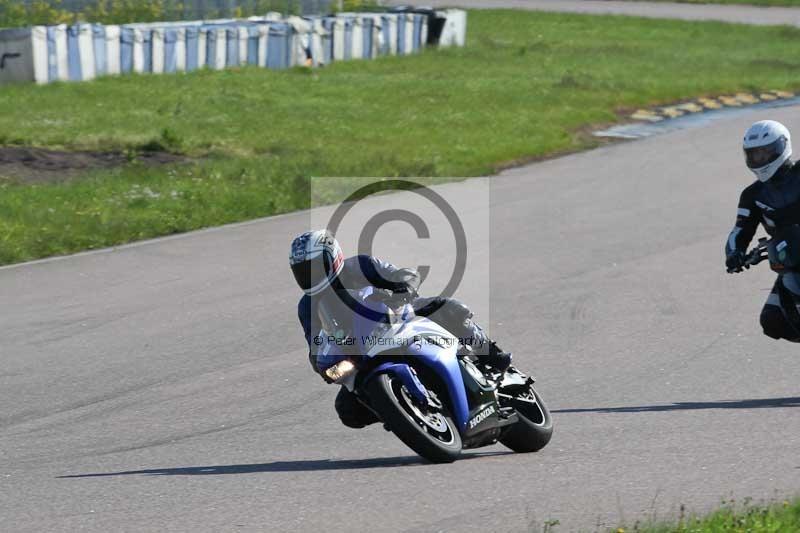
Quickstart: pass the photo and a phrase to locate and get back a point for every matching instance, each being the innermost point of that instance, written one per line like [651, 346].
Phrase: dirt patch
[37, 165]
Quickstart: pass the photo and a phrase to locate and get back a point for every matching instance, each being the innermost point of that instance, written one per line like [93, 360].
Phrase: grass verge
[526, 86]
[777, 518]
[758, 3]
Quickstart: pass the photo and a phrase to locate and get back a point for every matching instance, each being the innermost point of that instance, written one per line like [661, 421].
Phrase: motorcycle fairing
[444, 363]
[419, 338]
[484, 421]
[418, 330]
[408, 376]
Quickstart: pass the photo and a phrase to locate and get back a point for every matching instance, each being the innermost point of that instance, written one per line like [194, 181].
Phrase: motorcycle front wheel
[432, 435]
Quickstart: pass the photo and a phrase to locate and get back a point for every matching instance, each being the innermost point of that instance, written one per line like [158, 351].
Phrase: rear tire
[433, 436]
[535, 427]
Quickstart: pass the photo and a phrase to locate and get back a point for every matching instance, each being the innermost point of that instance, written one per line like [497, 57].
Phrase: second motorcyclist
[773, 201]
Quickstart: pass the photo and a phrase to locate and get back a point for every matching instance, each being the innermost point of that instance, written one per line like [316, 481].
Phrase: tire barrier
[697, 112]
[82, 52]
[701, 105]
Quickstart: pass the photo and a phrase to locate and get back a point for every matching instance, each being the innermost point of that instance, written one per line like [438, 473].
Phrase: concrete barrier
[81, 52]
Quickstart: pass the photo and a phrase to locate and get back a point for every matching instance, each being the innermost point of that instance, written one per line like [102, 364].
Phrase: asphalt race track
[741, 14]
[164, 386]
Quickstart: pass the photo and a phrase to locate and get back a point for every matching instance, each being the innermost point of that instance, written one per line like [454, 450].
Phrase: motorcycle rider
[773, 201]
[318, 264]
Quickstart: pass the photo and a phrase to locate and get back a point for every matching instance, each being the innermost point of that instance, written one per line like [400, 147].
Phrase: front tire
[535, 427]
[433, 436]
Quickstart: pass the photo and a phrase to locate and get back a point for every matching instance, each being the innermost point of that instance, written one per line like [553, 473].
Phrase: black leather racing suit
[773, 203]
[363, 271]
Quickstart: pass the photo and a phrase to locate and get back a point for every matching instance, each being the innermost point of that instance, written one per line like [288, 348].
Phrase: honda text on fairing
[425, 386]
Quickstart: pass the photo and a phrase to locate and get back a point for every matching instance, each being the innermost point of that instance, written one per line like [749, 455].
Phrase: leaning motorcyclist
[318, 265]
[773, 201]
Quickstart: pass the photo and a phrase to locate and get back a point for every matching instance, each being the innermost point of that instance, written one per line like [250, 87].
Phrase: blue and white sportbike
[424, 386]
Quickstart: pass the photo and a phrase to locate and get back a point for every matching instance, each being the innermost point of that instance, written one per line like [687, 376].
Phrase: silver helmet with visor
[767, 146]
[316, 260]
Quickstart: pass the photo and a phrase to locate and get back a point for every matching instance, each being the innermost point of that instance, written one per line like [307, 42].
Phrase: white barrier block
[112, 49]
[86, 49]
[358, 38]
[318, 31]
[62, 59]
[180, 51]
[338, 39]
[201, 49]
[158, 51]
[39, 54]
[377, 31]
[392, 34]
[220, 52]
[409, 47]
[263, 44]
[244, 35]
[138, 50]
[454, 32]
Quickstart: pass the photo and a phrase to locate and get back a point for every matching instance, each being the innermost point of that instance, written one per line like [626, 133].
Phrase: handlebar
[754, 256]
[392, 299]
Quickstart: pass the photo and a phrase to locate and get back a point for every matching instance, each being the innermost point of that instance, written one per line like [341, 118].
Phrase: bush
[14, 13]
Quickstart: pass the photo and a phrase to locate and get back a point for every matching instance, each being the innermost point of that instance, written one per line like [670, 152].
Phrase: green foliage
[14, 13]
[732, 518]
[358, 5]
[44, 12]
[525, 86]
[123, 11]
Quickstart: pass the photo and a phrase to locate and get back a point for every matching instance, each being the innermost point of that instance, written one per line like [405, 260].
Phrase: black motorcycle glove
[735, 262]
[406, 294]
[405, 280]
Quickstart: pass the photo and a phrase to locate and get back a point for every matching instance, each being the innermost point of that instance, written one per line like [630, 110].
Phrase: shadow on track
[691, 406]
[284, 466]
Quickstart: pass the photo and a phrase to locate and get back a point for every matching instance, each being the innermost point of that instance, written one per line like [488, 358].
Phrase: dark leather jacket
[773, 203]
[358, 272]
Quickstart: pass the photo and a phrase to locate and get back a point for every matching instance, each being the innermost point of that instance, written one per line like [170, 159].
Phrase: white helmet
[316, 260]
[767, 146]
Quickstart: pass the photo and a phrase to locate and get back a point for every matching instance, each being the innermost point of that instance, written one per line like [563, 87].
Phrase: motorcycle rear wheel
[433, 436]
[535, 426]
